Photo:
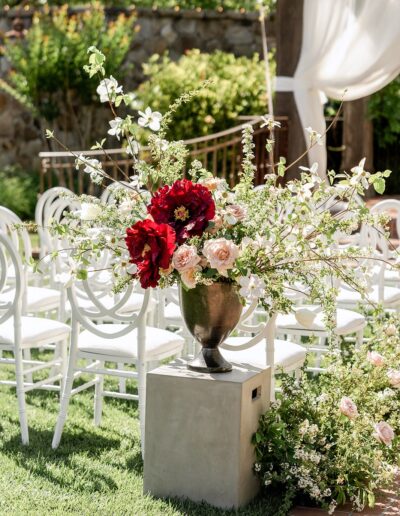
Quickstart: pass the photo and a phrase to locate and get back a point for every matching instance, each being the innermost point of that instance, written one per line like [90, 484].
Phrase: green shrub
[384, 109]
[250, 5]
[237, 88]
[309, 449]
[18, 191]
[47, 67]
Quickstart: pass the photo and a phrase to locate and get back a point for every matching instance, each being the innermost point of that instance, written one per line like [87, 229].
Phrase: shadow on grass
[267, 504]
[74, 464]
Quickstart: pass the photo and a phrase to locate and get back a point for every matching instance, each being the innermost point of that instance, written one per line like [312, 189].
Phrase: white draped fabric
[351, 45]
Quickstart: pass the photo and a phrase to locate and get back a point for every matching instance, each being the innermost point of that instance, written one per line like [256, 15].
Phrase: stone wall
[157, 31]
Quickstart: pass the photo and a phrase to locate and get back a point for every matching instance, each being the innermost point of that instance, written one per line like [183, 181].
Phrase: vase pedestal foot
[210, 360]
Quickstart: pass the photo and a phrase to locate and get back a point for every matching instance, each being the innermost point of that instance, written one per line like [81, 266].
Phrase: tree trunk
[289, 35]
[357, 134]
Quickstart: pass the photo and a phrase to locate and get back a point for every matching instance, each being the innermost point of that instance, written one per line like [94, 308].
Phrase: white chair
[308, 321]
[50, 206]
[36, 299]
[19, 333]
[375, 247]
[260, 347]
[392, 208]
[127, 340]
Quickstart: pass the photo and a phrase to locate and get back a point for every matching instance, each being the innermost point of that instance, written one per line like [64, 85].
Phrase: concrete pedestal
[198, 433]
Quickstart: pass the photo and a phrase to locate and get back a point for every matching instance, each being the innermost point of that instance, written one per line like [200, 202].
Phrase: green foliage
[249, 5]
[47, 68]
[384, 109]
[18, 191]
[308, 446]
[237, 87]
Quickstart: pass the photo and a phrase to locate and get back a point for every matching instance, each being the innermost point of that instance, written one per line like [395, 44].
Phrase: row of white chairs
[117, 329]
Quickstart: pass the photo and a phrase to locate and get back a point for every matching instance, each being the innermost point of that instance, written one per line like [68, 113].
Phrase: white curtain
[351, 45]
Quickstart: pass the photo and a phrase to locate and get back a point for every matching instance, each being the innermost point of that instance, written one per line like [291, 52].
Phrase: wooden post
[289, 35]
[357, 134]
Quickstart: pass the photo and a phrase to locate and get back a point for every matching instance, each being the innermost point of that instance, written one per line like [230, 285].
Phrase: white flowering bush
[335, 438]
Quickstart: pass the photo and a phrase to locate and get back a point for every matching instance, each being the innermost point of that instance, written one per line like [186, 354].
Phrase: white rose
[90, 211]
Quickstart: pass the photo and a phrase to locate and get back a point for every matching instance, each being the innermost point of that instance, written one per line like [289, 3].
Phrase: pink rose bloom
[348, 407]
[218, 223]
[185, 257]
[375, 358]
[383, 433]
[391, 330]
[394, 378]
[221, 253]
[188, 276]
[237, 211]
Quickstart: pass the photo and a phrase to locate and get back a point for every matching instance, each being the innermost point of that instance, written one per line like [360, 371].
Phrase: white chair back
[96, 291]
[9, 256]
[20, 238]
[392, 208]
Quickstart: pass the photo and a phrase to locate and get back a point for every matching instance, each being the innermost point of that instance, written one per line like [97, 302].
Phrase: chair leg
[321, 344]
[297, 374]
[66, 394]
[27, 356]
[142, 400]
[19, 377]
[98, 397]
[122, 381]
[64, 365]
[359, 338]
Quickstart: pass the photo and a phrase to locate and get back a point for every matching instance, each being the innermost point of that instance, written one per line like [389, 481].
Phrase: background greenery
[384, 110]
[47, 73]
[18, 191]
[249, 5]
[237, 89]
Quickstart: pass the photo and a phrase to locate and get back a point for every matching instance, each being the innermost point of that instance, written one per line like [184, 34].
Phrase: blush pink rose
[185, 257]
[188, 276]
[237, 211]
[221, 253]
[348, 407]
[384, 433]
[394, 378]
[375, 358]
[218, 222]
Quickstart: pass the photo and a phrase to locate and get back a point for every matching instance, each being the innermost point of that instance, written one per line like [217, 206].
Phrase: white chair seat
[348, 321]
[35, 332]
[391, 296]
[392, 276]
[173, 312]
[159, 343]
[39, 299]
[287, 355]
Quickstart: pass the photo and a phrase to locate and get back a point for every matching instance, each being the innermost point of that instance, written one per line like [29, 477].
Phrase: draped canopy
[351, 45]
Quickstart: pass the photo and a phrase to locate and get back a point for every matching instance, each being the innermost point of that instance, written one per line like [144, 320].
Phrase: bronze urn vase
[210, 313]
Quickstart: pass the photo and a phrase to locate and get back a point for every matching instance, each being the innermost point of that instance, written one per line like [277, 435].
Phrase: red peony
[185, 206]
[151, 247]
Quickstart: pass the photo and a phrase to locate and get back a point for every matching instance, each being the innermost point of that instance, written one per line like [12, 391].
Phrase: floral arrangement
[335, 438]
[330, 438]
[164, 229]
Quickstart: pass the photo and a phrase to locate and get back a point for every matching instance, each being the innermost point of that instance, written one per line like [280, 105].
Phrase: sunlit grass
[94, 471]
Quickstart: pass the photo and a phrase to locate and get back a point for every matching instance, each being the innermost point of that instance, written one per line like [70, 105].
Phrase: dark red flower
[151, 247]
[185, 206]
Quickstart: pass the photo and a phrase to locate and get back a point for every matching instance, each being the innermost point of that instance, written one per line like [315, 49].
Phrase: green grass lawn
[94, 471]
